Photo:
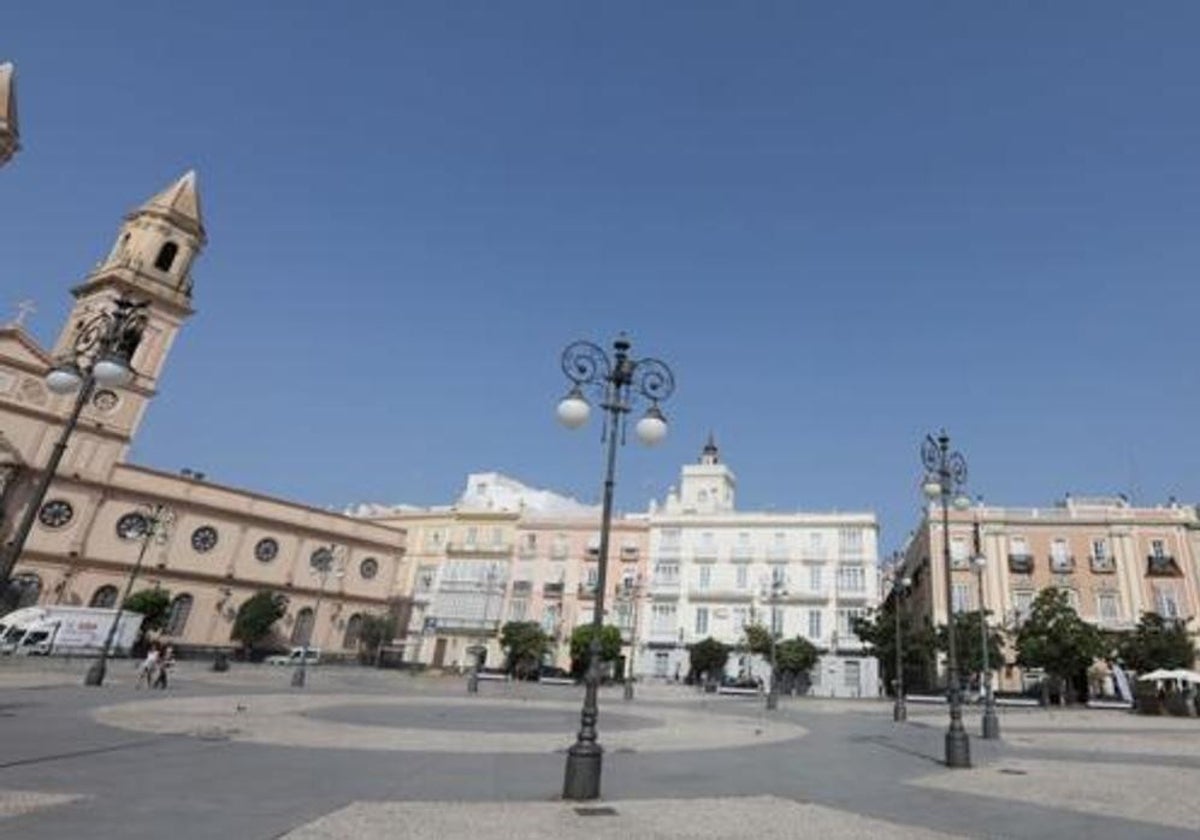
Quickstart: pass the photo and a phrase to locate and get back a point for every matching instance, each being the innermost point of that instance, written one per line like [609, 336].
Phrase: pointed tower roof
[180, 204]
[9, 134]
[709, 455]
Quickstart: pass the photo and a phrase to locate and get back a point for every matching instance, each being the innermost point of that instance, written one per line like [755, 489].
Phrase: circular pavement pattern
[473, 718]
[467, 725]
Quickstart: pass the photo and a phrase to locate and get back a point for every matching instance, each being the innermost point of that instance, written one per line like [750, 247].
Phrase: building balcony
[461, 624]
[1020, 564]
[458, 548]
[742, 554]
[630, 553]
[663, 635]
[744, 596]
[586, 591]
[705, 554]
[669, 552]
[1062, 565]
[851, 594]
[777, 553]
[522, 588]
[552, 590]
[471, 585]
[1162, 565]
[1102, 565]
[805, 596]
[665, 587]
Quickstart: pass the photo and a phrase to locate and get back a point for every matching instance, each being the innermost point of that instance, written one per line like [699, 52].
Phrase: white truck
[44, 631]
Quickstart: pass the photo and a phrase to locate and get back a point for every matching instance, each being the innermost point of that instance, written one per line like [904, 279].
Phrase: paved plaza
[375, 754]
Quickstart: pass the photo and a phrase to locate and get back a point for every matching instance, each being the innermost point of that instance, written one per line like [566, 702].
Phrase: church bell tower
[150, 262]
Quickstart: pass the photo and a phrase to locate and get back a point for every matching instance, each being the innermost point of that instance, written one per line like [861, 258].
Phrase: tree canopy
[708, 657]
[525, 643]
[796, 656]
[153, 604]
[969, 643]
[581, 640]
[256, 616]
[1157, 642]
[1056, 639]
[919, 642]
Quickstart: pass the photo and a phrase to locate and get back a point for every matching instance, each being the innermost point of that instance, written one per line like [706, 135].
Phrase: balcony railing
[586, 591]
[630, 552]
[1062, 565]
[777, 552]
[705, 553]
[463, 624]
[1021, 564]
[665, 586]
[552, 590]
[1162, 564]
[742, 554]
[477, 548]
[669, 551]
[1102, 565]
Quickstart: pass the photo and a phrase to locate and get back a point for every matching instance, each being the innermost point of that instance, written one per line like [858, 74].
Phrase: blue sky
[842, 224]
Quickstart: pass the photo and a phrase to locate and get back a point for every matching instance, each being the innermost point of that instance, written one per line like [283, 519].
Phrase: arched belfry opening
[166, 256]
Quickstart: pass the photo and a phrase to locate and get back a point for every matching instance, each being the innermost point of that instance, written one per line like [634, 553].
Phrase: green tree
[153, 604]
[877, 629]
[708, 658]
[376, 631]
[1157, 642]
[1055, 639]
[796, 656]
[256, 616]
[525, 644]
[581, 641]
[758, 639]
[968, 642]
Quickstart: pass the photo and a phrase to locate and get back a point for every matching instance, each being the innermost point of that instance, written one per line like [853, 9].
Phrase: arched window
[28, 587]
[105, 597]
[181, 608]
[166, 256]
[354, 628]
[302, 629]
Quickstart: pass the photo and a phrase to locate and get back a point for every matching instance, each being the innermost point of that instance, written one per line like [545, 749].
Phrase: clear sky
[842, 224]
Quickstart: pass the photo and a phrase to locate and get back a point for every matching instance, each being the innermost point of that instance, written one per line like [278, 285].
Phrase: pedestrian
[165, 663]
[148, 667]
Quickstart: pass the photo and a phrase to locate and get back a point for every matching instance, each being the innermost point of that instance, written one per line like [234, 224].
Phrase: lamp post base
[991, 724]
[298, 678]
[899, 711]
[473, 684]
[772, 701]
[95, 674]
[628, 689]
[582, 780]
[958, 749]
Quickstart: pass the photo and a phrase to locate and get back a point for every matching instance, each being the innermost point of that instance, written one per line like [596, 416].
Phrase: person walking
[146, 671]
[164, 664]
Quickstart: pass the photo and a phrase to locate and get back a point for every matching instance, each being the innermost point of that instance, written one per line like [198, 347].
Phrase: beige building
[507, 552]
[1114, 560]
[9, 135]
[226, 543]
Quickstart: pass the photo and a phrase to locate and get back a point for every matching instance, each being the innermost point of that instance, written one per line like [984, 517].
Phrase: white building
[711, 571]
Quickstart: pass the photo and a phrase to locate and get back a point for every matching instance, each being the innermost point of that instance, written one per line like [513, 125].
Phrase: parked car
[294, 657]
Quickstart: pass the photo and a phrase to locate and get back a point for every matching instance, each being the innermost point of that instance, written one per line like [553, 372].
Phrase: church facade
[225, 543]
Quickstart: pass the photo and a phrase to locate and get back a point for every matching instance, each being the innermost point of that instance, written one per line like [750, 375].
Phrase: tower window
[166, 256]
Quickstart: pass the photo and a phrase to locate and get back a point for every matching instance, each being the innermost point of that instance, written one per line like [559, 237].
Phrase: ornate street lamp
[775, 591]
[991, 721]
[617, 381]
[104, 344]
[946, 475]
[322, 564]
[900, 587]
[630, 594]
[154, 525]
[480, 648]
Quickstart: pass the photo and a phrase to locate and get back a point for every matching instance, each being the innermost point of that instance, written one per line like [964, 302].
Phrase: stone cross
[24, 309]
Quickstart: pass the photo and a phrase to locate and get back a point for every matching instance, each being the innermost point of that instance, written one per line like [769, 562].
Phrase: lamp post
[473, 680]
[618, 381]
[322, 564]
[156, 522]
[900, 586]
[632, 591]
[946, 475]
[100, 355]
[991, 721]
[775, 592]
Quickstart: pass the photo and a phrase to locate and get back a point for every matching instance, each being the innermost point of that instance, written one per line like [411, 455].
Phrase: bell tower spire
[150, 263]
